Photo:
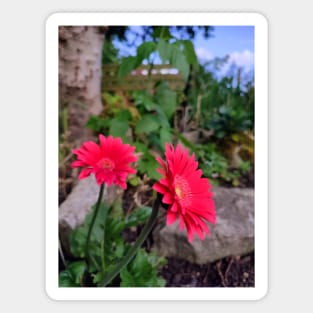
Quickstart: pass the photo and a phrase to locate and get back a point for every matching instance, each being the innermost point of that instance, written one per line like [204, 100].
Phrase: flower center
[106, 164]
[182, 189]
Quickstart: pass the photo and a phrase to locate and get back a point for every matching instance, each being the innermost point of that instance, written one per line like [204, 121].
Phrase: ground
[235, 271]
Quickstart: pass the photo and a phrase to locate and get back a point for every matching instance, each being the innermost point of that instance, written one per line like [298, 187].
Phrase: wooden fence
[140, 79]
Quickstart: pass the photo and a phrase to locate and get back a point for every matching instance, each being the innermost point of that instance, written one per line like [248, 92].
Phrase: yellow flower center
[179, 192]
[182, 189]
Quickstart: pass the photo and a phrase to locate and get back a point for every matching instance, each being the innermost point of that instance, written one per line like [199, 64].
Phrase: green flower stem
[62, 254]
[103, 242]
[133, 249]
[95, 264]
[94, 219]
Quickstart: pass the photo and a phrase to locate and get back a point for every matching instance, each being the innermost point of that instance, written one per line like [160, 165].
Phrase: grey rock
[232, 235]
[77, 205]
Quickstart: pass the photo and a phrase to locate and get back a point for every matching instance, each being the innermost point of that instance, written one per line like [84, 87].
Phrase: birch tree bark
[80, 53]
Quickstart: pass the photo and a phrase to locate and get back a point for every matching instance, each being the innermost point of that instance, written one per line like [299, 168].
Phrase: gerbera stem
[94, 218]
[62, 254]
[133, 249]
[103, 252]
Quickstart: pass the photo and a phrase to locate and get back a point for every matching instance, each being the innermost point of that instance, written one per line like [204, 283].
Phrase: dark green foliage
[226, 106]
[180, 54]
[73, 275]
[214, 164]
[107, 246]
[142, 272]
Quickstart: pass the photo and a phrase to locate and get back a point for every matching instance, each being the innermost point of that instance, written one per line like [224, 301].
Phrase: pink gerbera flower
[109, 161]
[187, 194]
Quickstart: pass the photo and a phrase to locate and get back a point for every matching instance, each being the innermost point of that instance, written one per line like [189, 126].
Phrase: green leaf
[179, 61]
[142, 98]
[184, 140]
[177, 58]
[134, 181]
[97, 123]
[147, 124]
[139, 216]
[118, 128]
[97, 278]
[77, 240]
[162, 116]
[78, 236]
[144, 50]
[65, 279]
[116, 210]
[167, 99]
[165, 50]
[165, 135]
[162, 32]
[77, 269]
[149, 165]
[140, 147]
[119, 124]
[143, 271]
[190, 53]
[119, 248]
[128, 64]
[73, 275]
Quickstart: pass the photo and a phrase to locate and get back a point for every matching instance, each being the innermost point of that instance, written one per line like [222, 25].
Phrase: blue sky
[235, 41]
[227, 39]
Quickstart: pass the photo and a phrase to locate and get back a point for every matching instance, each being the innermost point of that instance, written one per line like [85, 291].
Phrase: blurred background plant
[178, 99]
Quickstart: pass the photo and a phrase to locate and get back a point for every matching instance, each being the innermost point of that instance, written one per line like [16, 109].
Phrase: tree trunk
[80, 53]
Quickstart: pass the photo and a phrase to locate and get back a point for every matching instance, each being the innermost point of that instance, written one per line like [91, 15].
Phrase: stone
[232, 235]
[77, 205]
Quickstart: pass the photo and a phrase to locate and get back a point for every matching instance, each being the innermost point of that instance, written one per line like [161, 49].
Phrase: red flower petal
[170, 217]
[109, 161]
[185, 191]
[85, 173]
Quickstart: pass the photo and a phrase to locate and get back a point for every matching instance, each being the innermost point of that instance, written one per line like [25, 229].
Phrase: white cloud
[204, 55]
[243, 59]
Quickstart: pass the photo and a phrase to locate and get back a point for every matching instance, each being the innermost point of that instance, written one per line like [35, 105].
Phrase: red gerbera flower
[187, 194]
[109, 161]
